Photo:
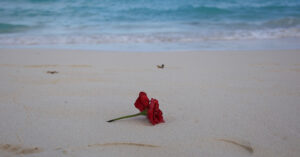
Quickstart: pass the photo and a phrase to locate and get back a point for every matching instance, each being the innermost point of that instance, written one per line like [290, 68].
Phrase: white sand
[227, 104]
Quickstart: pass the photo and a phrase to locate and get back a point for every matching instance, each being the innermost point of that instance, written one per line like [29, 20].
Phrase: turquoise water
[151, 24]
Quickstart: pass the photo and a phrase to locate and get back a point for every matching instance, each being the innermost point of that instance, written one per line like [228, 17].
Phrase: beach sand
[223, 103]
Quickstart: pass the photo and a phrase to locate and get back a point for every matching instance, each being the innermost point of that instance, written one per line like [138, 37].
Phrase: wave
[140, 21]
[113, 14]
[71, 39]
[180, 10]
[141, 10]
[11, 28]
[177, 13]
[282, 23]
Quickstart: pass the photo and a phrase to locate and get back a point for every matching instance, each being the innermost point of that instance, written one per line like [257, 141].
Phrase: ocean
[151, 25]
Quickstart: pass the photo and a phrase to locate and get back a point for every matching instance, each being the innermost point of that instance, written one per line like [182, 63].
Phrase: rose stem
[129, 116]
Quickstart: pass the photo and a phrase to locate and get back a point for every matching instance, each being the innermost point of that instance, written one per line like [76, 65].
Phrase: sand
[228, 104]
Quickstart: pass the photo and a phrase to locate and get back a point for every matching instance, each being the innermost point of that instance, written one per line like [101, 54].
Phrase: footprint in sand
[16, 149]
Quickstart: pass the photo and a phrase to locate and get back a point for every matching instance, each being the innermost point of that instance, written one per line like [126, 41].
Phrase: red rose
[154, 113]
[142, 102]
[151, 110]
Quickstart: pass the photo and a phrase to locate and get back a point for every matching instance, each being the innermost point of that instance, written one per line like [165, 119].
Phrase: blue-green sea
[151, 25]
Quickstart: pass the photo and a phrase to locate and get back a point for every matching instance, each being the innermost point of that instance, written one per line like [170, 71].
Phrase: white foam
[167, 37]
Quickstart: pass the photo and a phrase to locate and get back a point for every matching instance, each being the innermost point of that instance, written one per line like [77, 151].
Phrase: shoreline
[52, 49]
[214, 45]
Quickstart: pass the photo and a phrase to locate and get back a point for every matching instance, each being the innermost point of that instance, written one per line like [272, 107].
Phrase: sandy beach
[227, 104]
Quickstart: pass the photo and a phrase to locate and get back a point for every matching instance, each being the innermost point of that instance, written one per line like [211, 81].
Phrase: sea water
[151, 25]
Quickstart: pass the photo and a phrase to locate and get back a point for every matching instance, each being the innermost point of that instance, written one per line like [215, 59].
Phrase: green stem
[129, 116]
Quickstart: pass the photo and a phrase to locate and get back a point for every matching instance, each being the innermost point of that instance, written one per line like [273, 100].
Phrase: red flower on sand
[154, 114]
[152, 111]
[142, 102]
